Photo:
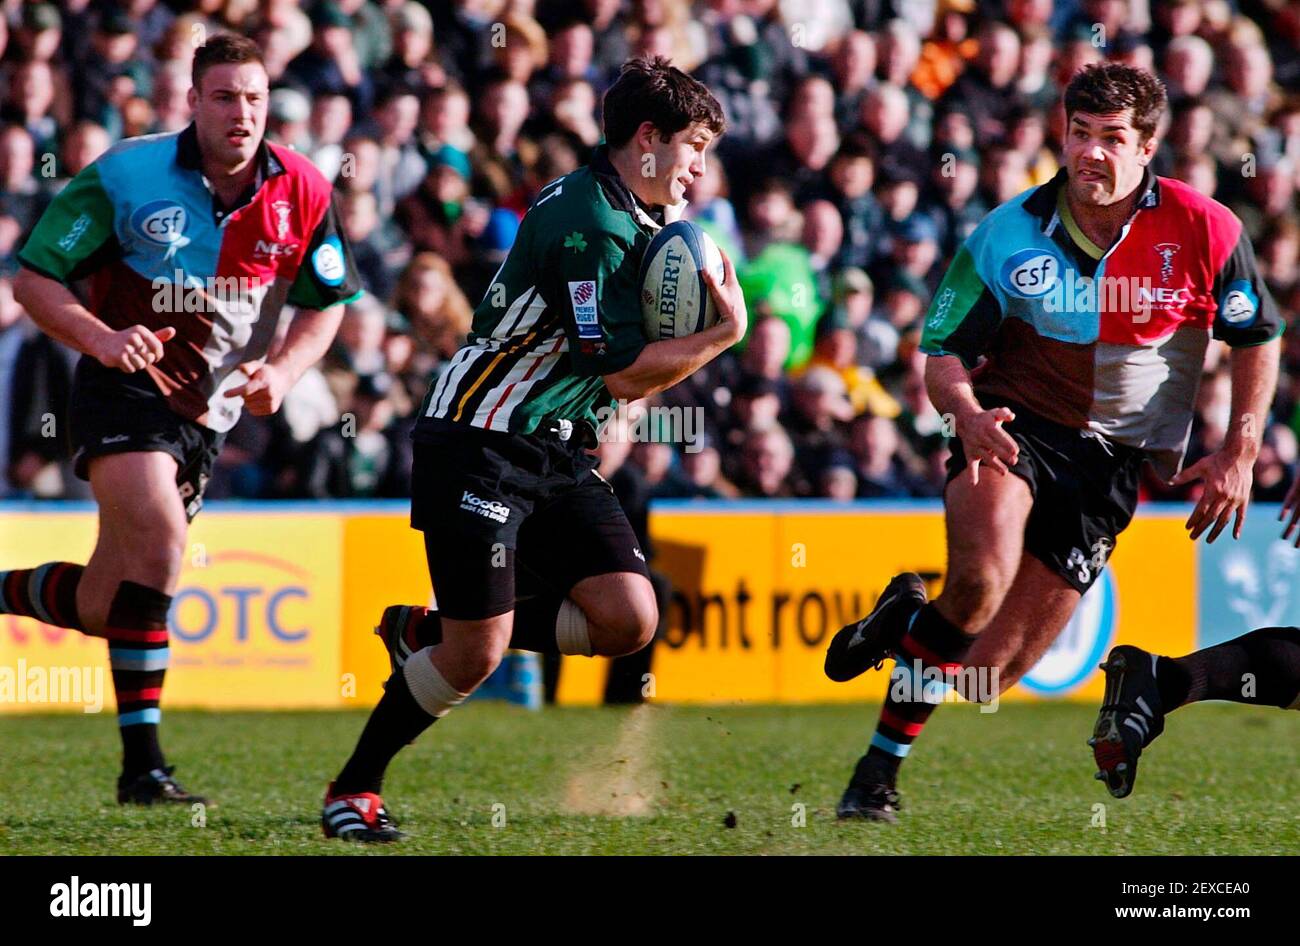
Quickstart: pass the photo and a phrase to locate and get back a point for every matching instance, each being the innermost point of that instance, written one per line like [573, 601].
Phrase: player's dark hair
[655, 91]
[1107, 87]
[224, 49]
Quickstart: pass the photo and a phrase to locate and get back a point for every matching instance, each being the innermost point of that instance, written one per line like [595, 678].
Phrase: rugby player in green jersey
[527, 547]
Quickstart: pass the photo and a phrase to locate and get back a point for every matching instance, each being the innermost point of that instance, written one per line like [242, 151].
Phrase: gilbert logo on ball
[675, 299]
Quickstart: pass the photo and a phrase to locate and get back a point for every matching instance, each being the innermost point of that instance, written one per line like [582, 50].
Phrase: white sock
[429, 687]
[572, 635]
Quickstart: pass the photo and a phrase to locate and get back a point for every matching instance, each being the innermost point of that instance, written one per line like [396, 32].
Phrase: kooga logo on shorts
[490, 508]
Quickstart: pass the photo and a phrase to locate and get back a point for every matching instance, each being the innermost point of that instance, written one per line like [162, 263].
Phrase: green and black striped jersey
[562, 311]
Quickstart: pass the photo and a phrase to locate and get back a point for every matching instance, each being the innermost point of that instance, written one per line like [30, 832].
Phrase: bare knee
[628, 626]
[152, 556]
[621, 611]
[970, 599]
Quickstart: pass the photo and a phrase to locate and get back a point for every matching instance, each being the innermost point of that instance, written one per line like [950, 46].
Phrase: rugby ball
[675, 300]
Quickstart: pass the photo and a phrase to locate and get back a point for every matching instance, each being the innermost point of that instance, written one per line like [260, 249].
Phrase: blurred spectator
[413, 63]
[853, 66]
[440, 216]
[328, 124]
[875, 446]
[429, 299]
[112, 72]
[84, 143]
[767, 464]
[444, 120]
[171, 107]
[14, 328]
[30, 102]
[378, 256]
[332, 63]
[39, 33]
[364, 455]
[987, 89]
[287, 116]
[22, 199]
[884, 115]
[501, 152]
[1275, 466]
[401, 166]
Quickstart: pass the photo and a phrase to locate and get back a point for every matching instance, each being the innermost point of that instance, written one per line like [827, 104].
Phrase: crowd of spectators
[866, 139]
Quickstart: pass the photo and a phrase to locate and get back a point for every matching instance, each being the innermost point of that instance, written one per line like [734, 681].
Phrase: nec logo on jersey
[583, 296]
[270, 250]
[1031, 273]
[1240, 305]
[1158, 297]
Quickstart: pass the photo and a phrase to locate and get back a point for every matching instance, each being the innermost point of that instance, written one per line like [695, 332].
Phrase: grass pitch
[496, 779]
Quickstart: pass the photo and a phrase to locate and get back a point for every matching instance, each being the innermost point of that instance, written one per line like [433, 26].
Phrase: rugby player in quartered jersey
[1065, 345]
[527, 546]
[186, 247]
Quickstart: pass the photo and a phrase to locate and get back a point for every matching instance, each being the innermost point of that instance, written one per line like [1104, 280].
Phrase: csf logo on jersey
[161, 223]
[583, 296]
[1239, 304]
[1031, 273]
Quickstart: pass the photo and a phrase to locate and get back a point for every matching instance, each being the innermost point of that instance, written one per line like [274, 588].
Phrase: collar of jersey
[620, 195]
[188, 157]
[1042, 201]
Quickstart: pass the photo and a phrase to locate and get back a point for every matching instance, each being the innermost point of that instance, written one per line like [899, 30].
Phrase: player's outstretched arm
[660, 365]
[1229, 472]
[310, 334]
[59, 314]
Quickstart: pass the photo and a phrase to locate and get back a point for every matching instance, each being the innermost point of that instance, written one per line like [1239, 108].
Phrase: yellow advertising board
[758, 591]
[275, 609]
[255, 619]
[383, 561]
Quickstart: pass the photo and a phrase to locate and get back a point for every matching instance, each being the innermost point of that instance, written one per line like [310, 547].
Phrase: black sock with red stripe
[138, 655]
[47, 593]
[932, 649]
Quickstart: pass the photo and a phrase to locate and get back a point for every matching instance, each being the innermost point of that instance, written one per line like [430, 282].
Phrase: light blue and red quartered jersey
[157, 248]
[1109, 341]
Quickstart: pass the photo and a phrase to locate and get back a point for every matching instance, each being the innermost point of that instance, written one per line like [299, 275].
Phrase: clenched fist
[132, 349]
